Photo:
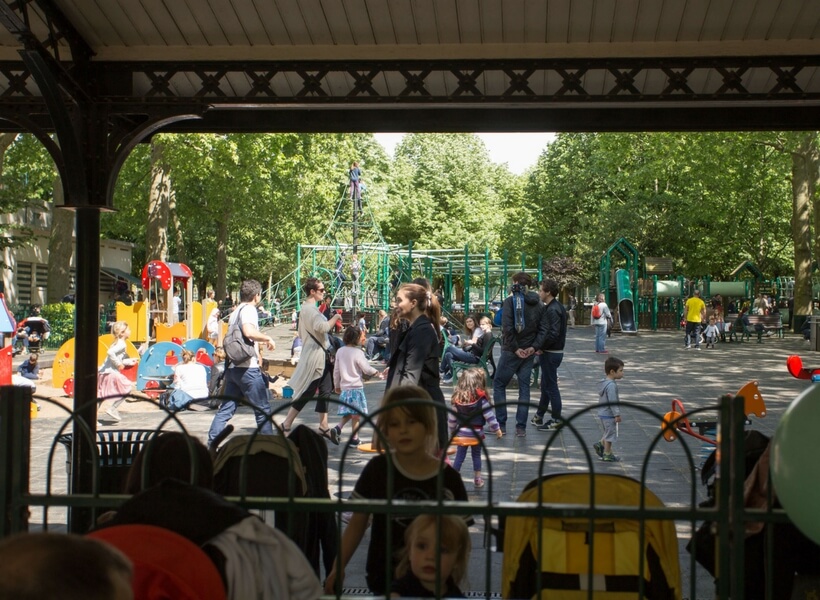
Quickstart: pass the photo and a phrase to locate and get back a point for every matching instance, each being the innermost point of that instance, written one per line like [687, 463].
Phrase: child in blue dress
[350, 367]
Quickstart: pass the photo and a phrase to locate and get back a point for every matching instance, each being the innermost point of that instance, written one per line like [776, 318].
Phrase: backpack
[238, 348]
[596, 311]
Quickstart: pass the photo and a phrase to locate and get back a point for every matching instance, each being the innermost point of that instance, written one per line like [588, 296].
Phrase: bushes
[60, 317]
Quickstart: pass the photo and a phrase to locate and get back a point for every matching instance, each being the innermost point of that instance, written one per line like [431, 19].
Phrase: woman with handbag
[313, 377]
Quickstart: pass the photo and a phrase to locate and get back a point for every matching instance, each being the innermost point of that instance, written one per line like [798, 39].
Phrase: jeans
[461, 454]
[508, 365]
[550, 394]
[375, 346]
[693, 330]
[453, 353]
[600, 337]
[179, 400]
[251, 385]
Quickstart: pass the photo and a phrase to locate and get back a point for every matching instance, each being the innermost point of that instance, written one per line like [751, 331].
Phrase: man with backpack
[245, 379]
[600, 318]
[522, 333]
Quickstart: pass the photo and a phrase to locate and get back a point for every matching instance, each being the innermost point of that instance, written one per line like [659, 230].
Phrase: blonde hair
[118, 328]
[454, 534]
[187, 355]
[424, 413]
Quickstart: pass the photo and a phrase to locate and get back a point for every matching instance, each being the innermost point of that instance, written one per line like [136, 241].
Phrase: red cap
[167, 566]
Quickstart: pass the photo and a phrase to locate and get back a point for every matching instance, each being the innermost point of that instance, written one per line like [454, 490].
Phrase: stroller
[563, 570]
[265, 468]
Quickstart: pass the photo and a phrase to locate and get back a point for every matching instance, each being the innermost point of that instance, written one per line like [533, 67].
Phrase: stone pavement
[657, 370]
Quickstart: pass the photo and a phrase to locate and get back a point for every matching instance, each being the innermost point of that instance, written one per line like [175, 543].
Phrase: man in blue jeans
[522, 333]
[550, 357]
[245, 380]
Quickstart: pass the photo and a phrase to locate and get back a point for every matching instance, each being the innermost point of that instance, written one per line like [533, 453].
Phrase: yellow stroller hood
[563, 544]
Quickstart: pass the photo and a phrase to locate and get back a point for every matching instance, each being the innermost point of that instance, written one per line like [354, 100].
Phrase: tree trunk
[156, 242]
[222, 259]
[179, 242]
[802, 187]
[6, 140]
[59, 247]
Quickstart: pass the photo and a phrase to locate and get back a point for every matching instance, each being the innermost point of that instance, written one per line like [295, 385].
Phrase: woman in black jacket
[415, 360]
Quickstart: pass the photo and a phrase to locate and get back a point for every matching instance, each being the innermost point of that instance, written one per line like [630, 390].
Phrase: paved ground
[658, 370]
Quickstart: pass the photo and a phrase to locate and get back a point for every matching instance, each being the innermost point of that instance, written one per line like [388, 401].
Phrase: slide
[626, 308]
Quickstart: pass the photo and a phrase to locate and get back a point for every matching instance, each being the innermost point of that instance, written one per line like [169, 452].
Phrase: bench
[768, 323]
[484, 361]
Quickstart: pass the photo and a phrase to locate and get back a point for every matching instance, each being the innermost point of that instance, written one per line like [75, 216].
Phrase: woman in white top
[190, 383]
[213, 326]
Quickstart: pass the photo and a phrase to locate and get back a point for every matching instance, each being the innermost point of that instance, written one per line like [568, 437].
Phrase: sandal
[479, 483]
[325, 433]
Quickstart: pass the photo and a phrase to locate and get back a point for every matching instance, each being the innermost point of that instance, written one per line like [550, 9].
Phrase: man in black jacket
[522, 333]
[550, 357]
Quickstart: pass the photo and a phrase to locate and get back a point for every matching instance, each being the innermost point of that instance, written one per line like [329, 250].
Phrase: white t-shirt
[192, 378]
[213, 324]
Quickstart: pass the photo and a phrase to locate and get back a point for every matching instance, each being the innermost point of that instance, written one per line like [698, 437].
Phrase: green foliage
[60, 317]
[708, 200]
[27, 174]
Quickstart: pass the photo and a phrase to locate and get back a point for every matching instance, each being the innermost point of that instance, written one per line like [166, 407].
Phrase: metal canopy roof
[254, 65]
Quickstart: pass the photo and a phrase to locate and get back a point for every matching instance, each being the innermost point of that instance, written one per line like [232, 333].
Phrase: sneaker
[537, 420]
[697, 347]
[599, 449]
[479, 482]
[687, 347]
[354, 441]
[335, 433]
[114, 414]
[610, 458]
[552, 424]
[520, 432]
[447, 380]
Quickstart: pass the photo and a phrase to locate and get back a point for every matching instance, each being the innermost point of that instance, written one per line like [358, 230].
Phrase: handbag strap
[238, 323]
[320, 343]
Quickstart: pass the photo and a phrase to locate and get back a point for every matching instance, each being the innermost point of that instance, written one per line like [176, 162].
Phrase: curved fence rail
[63, 500]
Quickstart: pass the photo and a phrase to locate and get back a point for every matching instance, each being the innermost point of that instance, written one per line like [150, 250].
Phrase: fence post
[15, 438]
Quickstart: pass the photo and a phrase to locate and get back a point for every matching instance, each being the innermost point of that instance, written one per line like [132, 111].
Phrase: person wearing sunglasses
[313, 377]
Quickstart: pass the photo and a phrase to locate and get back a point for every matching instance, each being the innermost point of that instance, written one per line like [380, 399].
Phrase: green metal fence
[729, 515]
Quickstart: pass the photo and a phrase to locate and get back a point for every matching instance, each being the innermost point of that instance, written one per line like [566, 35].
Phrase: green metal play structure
[638, 291]
[361, 270]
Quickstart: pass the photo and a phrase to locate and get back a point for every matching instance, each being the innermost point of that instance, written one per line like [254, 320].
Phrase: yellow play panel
[64, 360]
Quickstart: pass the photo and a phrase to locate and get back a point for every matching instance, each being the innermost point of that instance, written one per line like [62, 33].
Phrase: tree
[445, 193]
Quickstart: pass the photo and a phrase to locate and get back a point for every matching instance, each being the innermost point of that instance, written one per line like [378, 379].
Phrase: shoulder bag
[238, 348]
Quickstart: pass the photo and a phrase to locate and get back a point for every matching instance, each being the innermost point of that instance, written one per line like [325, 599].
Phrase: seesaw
[676, 420]
[795, 366]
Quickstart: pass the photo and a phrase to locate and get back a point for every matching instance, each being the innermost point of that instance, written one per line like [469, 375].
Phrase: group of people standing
[533, 324]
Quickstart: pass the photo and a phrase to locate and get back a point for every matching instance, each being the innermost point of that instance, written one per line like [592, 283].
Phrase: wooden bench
[770, 323]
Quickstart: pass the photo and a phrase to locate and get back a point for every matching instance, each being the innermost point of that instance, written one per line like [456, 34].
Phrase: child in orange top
[474, 410]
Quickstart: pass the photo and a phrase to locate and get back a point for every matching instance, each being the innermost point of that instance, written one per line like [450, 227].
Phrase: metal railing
[729, 515]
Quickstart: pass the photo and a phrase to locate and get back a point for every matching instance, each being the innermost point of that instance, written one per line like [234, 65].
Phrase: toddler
[349, 368]
[474, 410]
[420, 573]
[608, 410]
[711, 332]
[410, 433]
